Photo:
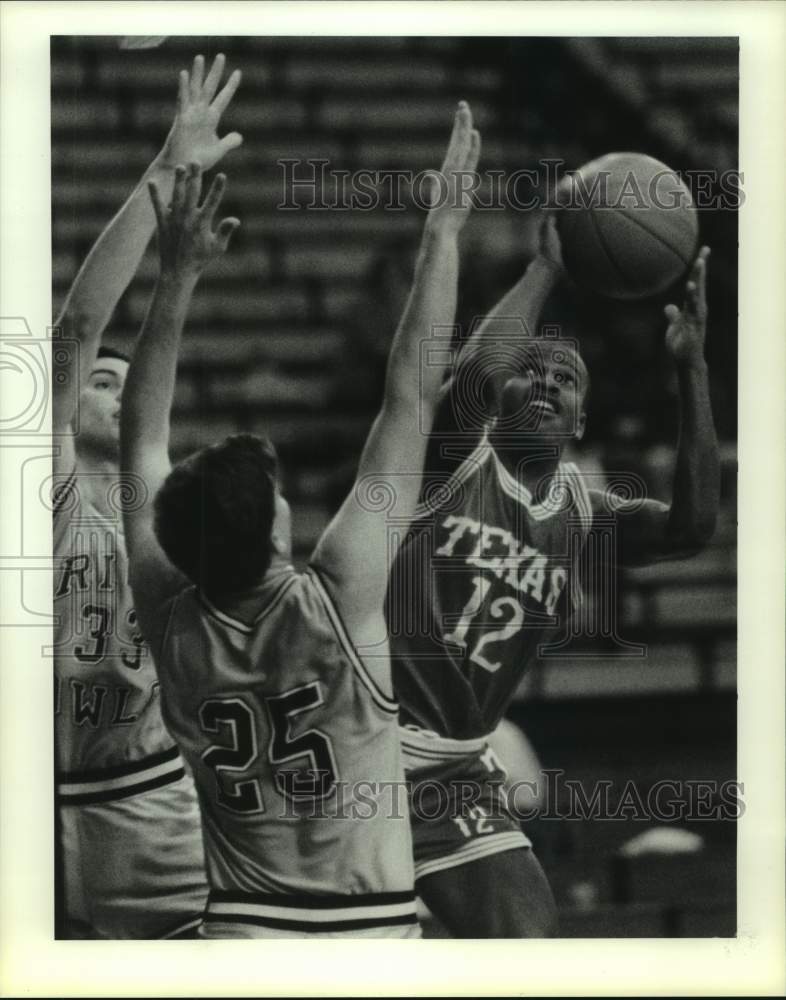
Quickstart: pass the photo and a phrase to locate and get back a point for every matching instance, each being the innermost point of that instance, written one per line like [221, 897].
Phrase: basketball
[628, 226]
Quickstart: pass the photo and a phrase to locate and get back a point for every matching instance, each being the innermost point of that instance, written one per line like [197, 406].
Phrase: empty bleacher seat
[694, 605]
[327, 226]
[107, 196]
[352, 74]
[252, 306]
[268, 114]
[725, 663]
[663, 668]
[141, 69]
[130, 156]
[333, 260]
[65, 73]
[264, 386]
[389, 113]
[216, 348]
[699, 77]
[64, 267]
[84, 113]
[715, 563]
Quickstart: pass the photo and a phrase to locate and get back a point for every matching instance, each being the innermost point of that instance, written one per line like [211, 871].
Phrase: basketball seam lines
[605, 249]
[655, 236]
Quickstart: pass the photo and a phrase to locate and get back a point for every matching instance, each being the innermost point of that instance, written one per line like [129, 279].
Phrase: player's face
[99, 408]
[546, 398]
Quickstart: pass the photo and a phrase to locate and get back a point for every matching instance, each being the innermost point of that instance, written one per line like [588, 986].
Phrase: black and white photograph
[387, 419]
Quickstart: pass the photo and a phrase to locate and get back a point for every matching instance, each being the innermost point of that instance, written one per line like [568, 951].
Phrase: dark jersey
[482, 580]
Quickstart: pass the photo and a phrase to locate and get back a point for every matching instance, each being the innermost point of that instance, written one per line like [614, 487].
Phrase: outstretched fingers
[179, 192]
[197, 73]
[672, 313]
[210, 85]
[474, 152]
[225, 231]
[193, 187]
[460, 140]
[695, 289]
[214, 196]
[183, 91]
[158, 207]
[230, 141]
[227, 93]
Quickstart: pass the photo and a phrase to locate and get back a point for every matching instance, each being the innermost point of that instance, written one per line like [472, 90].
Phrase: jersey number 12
[499, 609]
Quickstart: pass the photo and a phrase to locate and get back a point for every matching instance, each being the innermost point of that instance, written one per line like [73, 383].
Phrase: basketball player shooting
[130, 857]
[276, 685]
[490, 556]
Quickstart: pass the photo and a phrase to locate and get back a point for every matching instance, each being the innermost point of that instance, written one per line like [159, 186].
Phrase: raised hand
[187, 241]
[193, 137]
[549, 246]
[450, 196]
[687, 326]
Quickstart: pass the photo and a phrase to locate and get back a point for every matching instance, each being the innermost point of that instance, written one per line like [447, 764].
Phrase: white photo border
[31, 962]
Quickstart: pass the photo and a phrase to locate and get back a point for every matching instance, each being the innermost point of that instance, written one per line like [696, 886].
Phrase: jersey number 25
[311, 774]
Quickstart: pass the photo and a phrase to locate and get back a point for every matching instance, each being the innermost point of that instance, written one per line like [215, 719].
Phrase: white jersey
[295, 753]
[129, 844]
[107, 705]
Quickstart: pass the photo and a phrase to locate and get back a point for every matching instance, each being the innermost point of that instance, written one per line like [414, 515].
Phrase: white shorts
[225, 931]
[133, 867]
[232, 914]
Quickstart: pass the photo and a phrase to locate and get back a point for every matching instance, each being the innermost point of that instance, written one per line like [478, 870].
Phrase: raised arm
[496, 347]
[115, 257]
[187, 244]
[655, 530]
[355, 552]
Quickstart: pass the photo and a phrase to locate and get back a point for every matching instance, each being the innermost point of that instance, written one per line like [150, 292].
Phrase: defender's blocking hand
[549, 245]
[193, 137]
[451, 191]
[687, 326]
[187, 241]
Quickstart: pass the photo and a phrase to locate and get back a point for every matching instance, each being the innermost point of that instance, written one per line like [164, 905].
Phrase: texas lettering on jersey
[478, 585]
[524, 570]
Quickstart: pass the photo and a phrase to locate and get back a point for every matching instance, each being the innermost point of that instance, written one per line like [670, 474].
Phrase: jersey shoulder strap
[444, 494]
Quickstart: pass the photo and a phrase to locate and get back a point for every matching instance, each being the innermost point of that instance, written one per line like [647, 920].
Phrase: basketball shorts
[133, 866]
[458, 803]
[287, 915]
[221, 931]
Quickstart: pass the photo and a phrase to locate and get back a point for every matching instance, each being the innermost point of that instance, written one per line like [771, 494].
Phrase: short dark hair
[214, 514]
[112, 352]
